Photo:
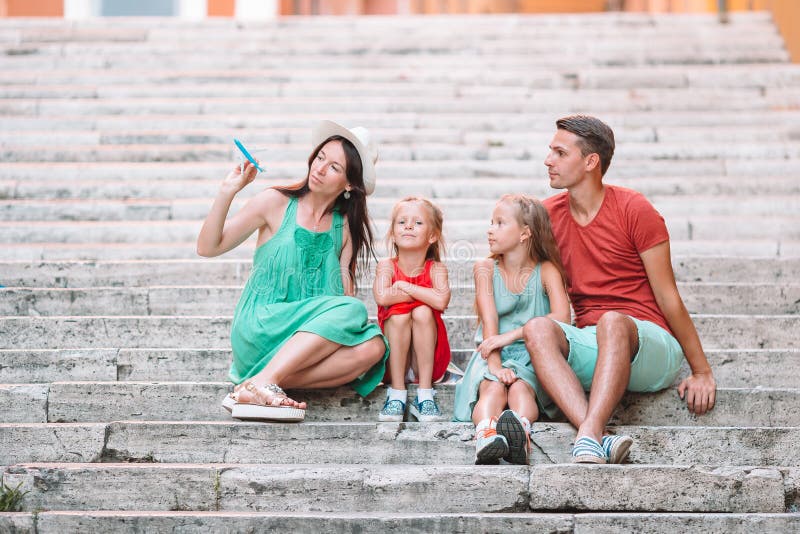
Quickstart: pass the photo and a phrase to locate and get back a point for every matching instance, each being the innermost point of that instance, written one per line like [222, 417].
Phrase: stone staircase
[114, 136]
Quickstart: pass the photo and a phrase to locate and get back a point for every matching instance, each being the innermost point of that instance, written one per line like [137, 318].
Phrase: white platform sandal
[267, 405]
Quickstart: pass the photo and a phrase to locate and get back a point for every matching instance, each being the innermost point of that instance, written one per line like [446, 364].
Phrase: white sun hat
[360, 138]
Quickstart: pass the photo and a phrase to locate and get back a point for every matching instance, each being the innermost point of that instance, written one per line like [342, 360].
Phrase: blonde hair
[435, 250]
[542, 244]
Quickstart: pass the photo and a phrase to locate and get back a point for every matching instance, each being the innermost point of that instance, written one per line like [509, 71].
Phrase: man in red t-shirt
[632, 329]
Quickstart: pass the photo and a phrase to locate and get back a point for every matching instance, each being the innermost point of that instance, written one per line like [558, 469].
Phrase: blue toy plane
[247, 155]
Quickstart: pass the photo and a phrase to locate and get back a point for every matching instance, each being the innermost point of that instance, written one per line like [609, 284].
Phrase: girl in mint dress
[297, 324]
[522, 279]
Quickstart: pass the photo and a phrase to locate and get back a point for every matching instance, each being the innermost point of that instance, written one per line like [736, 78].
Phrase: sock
[397, 394]
[525, 424]
[424, 394]
[482, 425]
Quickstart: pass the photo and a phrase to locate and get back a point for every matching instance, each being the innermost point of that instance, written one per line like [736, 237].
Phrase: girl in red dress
[412, 290]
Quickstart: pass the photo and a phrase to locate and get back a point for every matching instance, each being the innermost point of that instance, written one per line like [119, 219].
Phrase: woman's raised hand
[238, 180]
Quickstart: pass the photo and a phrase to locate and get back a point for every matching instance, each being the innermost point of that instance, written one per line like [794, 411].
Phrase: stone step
[454, 85]
[742, 299]
[467, 523]
[741, 332]
[601, 101]
[371, 443]
[700, 227]
[181, 196]
[374, 488]
[58, 180]
[423, 152]
[622, 50]
[661, 76]
[203, 271]
[428, 40]
[732, 368]
[524, 123]
[694, 52]
[166, 133]
[464, 251]
[379, 207]
[89, 402]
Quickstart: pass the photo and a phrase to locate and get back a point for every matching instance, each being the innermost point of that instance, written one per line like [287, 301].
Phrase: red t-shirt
[604, 269]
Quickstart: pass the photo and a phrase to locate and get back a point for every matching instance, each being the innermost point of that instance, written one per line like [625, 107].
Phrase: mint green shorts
[655, 366]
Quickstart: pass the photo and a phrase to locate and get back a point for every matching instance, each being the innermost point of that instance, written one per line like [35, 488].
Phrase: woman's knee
[422, 314]
[371, 352]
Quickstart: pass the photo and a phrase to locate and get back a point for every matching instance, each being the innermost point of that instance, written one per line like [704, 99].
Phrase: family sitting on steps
[602, 248]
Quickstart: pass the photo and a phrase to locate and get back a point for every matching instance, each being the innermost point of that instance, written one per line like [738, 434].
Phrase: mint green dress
[296, 286]
[513, 311]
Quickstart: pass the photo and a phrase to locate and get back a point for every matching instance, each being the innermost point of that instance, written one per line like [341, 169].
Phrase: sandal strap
[275, 395]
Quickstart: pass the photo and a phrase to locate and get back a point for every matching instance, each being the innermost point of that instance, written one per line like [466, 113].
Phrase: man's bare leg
[618, 342]
[548, 348]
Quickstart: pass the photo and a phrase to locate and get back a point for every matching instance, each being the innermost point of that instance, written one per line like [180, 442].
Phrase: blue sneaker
[425, 411]
[392, 411]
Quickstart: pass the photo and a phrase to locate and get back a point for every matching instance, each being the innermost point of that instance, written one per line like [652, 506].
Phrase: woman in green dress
[297, 324]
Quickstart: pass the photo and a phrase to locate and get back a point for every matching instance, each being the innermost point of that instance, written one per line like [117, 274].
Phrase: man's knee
[543, 336]
[618, 328]
[422, 314]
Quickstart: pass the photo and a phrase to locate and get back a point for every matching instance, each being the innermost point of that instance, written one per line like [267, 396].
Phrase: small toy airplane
[246, 155]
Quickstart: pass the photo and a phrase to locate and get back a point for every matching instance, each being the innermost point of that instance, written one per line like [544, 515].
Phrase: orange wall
[786, 14]
[32, 8]
[221, 8]
[433, 7]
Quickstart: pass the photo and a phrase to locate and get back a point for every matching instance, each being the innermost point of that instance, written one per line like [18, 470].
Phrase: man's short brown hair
[595, 137]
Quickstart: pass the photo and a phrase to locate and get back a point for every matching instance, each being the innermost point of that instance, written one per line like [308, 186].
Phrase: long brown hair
[354, 209]
[436, 249]
[542, 243]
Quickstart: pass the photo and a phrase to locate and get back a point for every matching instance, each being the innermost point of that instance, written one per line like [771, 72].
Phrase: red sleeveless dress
[441, 353]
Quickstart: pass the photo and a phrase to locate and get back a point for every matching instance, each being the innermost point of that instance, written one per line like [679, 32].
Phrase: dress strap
[289, 216]
[336, 231]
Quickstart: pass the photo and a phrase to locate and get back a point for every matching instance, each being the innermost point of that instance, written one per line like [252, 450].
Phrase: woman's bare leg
[341, 367]
[302, 350]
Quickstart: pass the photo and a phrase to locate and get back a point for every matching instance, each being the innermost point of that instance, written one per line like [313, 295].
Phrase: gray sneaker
[516, 430]
[489, 447]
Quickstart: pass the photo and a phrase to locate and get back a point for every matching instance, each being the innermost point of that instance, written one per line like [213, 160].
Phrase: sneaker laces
[487, 432]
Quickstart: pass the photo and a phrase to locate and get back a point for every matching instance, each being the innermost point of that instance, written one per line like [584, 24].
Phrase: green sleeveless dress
[513, 311]
[296, 286]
